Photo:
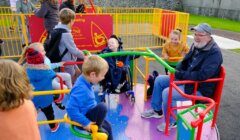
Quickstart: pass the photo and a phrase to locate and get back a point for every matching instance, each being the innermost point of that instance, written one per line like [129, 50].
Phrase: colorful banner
[90, 32]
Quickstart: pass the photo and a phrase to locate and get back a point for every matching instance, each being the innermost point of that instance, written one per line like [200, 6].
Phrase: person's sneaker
[161, 127]
[151, 114]
[118, 89]
[54, 129]
[60, 106]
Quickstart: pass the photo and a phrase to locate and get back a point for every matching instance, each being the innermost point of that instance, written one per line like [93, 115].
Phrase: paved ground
[228, 119]
[227, 34]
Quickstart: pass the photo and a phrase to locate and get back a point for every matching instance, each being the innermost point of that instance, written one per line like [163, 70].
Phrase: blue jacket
[200, 66]
[41, 79]
[82, 99]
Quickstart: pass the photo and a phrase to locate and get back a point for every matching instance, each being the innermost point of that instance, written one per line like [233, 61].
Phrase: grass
[217, 23]
[236, 50]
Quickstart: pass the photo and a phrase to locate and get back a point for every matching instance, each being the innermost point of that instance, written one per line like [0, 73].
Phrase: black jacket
[200, 66]
[67, 4]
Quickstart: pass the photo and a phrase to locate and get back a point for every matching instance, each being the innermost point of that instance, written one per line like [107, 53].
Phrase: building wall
[220, 8]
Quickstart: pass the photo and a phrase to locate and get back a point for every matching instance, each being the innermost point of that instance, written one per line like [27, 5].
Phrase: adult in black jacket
[201, 63]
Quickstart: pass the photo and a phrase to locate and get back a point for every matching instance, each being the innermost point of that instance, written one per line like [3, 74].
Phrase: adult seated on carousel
[202, 62]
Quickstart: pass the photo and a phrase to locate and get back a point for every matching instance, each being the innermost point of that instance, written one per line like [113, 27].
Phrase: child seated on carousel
[174, 48]
[82, 106]
[41, 76]
[173, 51]
[115, 80]
[55, 81]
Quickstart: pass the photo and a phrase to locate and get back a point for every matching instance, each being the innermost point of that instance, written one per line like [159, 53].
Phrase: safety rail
[144, 74]
[149, 55]
[197, 123]
[139, 28]
[215, 102]
[95, 135]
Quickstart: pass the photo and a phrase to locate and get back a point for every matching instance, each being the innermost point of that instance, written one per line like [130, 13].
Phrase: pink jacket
[20, 123]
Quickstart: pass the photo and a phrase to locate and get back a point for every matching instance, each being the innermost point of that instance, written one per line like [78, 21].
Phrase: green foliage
[218, 23]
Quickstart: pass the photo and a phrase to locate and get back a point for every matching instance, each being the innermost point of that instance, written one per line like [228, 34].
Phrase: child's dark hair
[118, 39]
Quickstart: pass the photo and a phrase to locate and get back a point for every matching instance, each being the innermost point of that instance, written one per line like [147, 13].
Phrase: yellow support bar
[145, 81]
[50, 122]
[38, 93]
[141, 73]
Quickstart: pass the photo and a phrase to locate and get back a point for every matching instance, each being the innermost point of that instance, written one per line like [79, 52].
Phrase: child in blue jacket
[82, 106]
[41, 76]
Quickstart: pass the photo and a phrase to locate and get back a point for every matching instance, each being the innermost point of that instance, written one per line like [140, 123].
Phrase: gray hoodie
[49, 12]
[68, 42]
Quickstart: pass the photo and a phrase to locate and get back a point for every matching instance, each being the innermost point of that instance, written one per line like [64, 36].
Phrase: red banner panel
[90, 32]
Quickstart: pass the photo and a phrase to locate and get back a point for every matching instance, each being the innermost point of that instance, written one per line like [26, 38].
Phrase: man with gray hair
[202, 62]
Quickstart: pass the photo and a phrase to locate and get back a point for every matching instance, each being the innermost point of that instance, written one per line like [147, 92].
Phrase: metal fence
[138, 27]
[146, 27]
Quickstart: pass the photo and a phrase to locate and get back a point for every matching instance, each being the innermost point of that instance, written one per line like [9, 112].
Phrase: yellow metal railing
[125, 10]
[143, 73]
[137, 27]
